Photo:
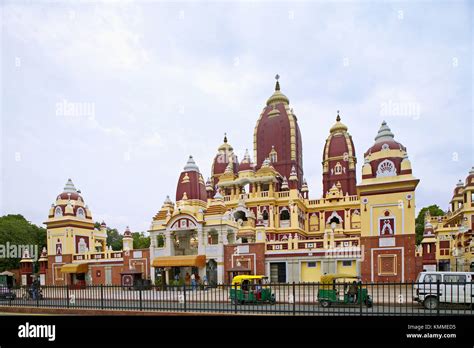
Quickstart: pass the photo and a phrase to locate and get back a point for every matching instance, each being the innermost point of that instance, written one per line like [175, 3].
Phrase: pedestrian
[193, 281]
[176, 279]
[204, 281]
[187, 279]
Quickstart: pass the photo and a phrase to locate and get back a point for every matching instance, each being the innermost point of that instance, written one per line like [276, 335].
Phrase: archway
[211, 272]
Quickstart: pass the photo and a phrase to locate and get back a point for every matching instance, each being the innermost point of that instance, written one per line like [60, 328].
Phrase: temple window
[386, 168]
[338, 168]
[265, 215]
[284, 214]
[58, 212]
[273, 155]
[80, 213]
[386, 224]
[212, 237]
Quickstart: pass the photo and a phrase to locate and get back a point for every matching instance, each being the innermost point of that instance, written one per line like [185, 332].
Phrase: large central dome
[277, 136]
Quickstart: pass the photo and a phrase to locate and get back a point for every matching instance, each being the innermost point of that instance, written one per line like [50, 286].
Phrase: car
[434, 288]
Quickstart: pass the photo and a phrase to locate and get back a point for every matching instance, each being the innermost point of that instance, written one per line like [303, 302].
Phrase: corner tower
[339, 160]
[277, 136]
[387, 196]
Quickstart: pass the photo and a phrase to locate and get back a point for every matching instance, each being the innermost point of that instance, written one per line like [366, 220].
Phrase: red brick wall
[408, 262]
[255, 258]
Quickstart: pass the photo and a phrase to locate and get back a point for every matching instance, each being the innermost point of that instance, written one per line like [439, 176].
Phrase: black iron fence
[358, 299]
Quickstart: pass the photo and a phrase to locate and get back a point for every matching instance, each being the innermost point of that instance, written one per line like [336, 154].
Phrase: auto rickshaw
[251, 289]
[342, 289]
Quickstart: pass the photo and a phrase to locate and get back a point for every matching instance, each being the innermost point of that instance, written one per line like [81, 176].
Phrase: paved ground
[227, 307]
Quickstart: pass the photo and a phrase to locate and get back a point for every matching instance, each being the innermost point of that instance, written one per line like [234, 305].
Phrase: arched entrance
[211, 272]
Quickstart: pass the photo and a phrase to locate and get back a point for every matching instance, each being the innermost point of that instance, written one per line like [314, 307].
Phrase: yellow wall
[350, 270]
[397, 204]
[310, 274]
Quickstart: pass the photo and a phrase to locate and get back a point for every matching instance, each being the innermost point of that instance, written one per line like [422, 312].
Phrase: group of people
[193, 280]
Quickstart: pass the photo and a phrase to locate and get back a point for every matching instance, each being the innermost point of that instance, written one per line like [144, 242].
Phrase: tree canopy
[114, 238]
[15, 230]
[140, 240]
[420, 220]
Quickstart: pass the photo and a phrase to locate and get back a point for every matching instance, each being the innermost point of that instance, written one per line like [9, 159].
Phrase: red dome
[71, 196]
[386, 144]
[458, 189]
[191, 182]
[391, 155]
[339, 161]
[273, 131]
[470, 178]
[224, 155]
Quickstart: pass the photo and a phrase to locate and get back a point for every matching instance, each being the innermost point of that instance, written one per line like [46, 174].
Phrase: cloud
[168, 79]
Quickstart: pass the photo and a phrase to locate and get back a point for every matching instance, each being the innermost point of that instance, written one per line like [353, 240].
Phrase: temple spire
[70, 188]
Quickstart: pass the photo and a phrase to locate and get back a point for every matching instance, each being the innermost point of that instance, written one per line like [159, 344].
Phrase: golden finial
[277, 85]
[338, 118]
[225, 137]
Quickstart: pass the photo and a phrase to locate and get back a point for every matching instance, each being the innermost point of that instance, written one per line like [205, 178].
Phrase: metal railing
[341, 299]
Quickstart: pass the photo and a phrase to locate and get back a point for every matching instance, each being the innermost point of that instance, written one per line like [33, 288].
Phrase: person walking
[187, 279]
[193, 281]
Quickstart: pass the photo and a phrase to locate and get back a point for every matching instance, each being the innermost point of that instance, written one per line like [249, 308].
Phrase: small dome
[225, 155]
[246, 163]
[384, 133]
[191, 165]
[391, 159]
[277, 96]
[70, 192]
[225, 146]
[470, 178]
[127, 232]
[384, 140]
[338, 126]
[191, 183]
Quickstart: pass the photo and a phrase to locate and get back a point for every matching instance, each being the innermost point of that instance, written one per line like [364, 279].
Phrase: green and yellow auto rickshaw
[342, 289]
[251, 289]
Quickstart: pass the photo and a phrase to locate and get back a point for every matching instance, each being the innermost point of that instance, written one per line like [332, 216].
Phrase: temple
[255, 216]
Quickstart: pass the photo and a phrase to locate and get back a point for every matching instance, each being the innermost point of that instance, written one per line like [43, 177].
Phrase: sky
[116, 95]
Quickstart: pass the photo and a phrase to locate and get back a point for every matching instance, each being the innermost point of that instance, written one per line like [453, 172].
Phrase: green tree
[15, 230]
[140, 240]
[420, 220]
[114, 238]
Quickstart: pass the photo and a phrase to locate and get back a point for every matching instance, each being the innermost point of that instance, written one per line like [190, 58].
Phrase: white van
[453, 287]
[433, 288]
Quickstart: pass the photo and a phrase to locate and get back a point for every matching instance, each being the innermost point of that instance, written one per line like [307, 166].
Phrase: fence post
[359, 297]
[184, 296]
[294, 299]
[67, 295]
[101, 296]
[235, 298]
[140, 296]
[438, 296]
